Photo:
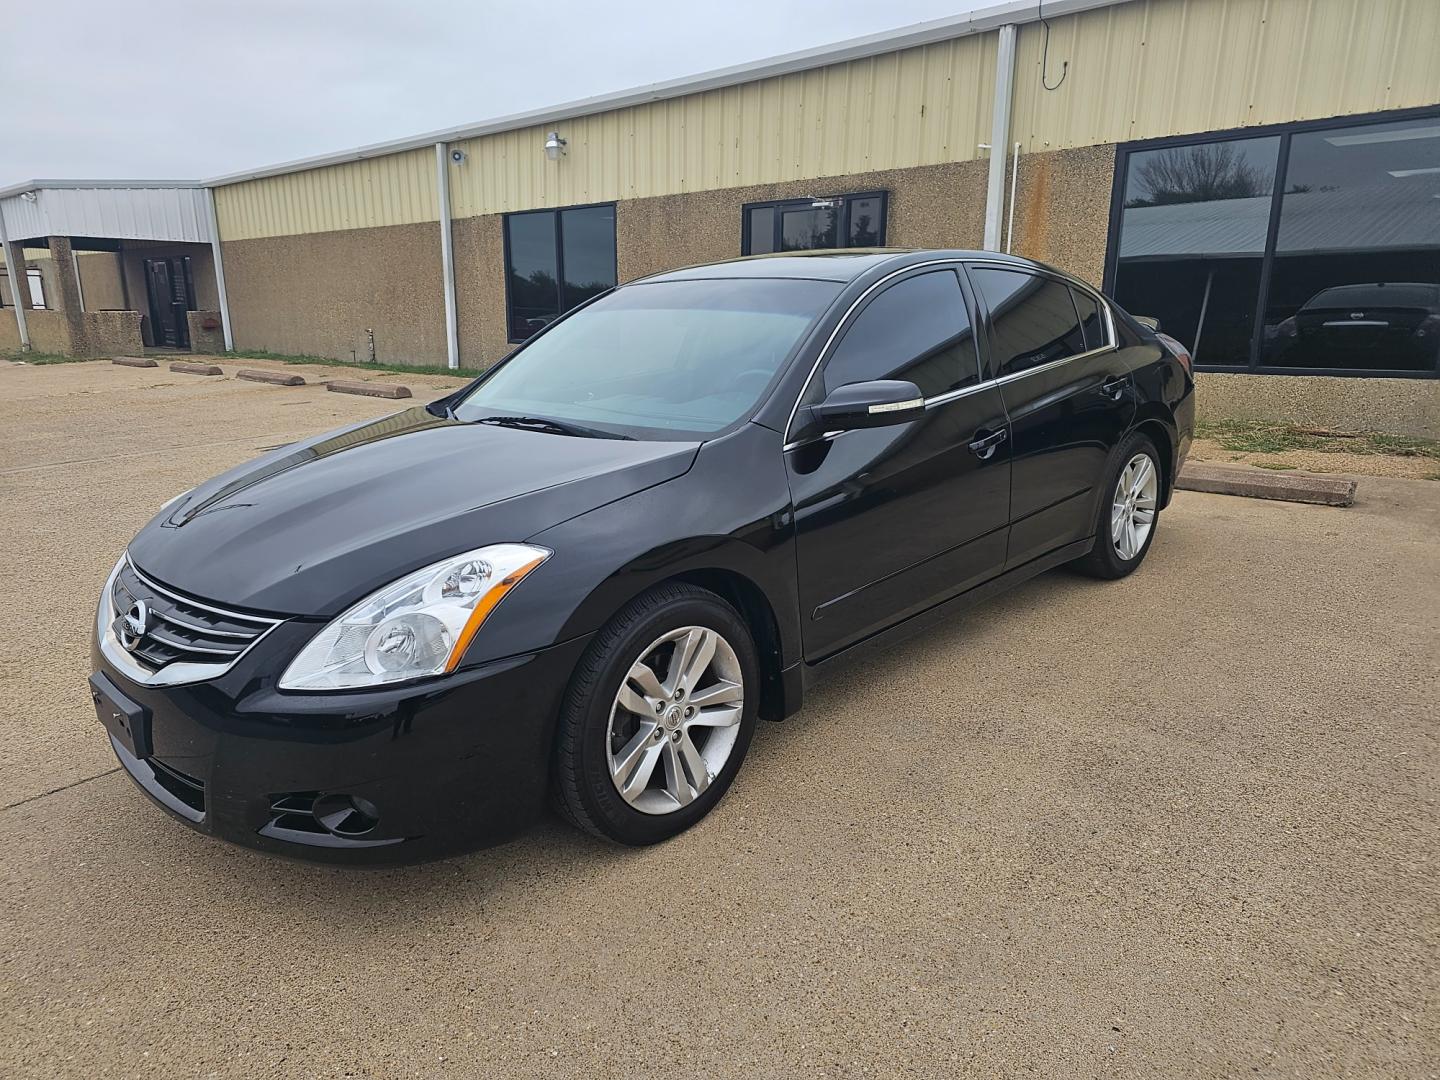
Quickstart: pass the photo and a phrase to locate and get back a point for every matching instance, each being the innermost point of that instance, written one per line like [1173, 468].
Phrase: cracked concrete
[1181, 825]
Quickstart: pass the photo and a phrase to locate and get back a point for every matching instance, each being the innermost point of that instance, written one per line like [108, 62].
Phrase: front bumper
[447, 765]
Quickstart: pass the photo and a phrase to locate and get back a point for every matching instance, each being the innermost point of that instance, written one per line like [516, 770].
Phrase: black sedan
[583, 577]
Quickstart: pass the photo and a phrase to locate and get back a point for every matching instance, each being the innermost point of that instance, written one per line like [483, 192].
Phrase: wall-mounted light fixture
[554, 146]
[28, 196]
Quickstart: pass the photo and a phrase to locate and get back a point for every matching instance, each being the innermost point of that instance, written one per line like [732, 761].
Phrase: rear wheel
[1125, 525]
[658, 717]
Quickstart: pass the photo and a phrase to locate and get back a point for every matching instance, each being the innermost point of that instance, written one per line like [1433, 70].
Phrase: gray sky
[143, 89]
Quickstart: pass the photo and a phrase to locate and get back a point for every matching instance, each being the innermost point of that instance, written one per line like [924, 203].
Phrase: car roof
[843, 265]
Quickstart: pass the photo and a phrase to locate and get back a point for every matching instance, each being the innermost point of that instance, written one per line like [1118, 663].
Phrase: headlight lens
[416, 627]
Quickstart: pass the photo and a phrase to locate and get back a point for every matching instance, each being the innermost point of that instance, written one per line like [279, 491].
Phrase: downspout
[447, 254]
[1010, 223]
[16, 283]
[999, 135]
[219, 270]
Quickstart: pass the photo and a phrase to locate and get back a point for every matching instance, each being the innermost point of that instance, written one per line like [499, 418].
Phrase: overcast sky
[125, 89]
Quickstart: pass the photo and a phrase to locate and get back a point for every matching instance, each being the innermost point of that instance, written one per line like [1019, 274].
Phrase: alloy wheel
[1132, 511]
[675, 720]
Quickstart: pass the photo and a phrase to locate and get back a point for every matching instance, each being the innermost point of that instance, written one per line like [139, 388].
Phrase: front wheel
[658, 716]
[1125, 525]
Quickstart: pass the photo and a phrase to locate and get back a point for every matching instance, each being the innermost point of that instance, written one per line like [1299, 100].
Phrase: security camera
[457, 156]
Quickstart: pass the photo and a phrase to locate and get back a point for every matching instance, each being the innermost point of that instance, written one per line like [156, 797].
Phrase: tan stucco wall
[49, 332]
[931, 206]
[100, 280]
[480, 289]
[1062, 209]
[318, 293]
[1392, 406]
[108, 333]
[9, 331]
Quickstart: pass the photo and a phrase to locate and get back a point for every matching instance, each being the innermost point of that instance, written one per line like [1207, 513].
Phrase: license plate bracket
[128, 721]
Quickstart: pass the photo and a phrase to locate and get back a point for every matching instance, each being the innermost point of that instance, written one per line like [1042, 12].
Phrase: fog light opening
[346, 815]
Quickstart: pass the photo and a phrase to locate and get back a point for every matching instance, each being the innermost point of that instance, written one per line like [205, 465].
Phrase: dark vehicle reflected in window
[1387, 324]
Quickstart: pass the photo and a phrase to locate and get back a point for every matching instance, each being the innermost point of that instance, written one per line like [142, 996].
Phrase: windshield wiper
[554, 427]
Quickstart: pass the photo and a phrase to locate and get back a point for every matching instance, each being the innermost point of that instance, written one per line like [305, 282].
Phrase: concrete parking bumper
[1258, 484]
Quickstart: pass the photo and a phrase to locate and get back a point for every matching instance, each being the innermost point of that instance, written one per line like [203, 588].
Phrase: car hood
[313, 527]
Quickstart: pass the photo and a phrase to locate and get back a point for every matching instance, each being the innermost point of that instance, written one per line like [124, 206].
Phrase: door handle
[983, 446]
[1115, 388]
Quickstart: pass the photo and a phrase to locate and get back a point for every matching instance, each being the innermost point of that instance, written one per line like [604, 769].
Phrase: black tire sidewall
[589, 712]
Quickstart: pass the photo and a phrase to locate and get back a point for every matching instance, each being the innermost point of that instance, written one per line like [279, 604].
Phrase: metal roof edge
[907, 37]
[77, 185]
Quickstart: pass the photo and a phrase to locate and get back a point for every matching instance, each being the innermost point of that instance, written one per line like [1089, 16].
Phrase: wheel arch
[1161, 432]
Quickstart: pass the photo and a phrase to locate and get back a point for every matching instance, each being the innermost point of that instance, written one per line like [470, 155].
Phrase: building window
[554, 260]
[37, 289]
[1312, 247]
[838, 221]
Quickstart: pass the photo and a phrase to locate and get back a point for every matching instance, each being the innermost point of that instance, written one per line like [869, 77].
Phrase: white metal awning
[108, 209]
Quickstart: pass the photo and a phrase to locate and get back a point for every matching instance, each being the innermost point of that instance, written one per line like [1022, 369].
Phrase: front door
[171, 297]
[892, 520]
[1070, 399]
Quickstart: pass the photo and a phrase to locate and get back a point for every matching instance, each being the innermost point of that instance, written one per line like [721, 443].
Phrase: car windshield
[656, 360]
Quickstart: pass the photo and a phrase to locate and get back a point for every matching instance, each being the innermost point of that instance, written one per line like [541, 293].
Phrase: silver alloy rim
[670, 735]
[1132, 513]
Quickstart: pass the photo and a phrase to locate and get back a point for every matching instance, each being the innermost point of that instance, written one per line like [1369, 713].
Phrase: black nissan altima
[584, 577]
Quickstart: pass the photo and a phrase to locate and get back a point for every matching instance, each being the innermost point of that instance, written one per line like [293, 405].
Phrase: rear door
[1070, 399]
[892, 520]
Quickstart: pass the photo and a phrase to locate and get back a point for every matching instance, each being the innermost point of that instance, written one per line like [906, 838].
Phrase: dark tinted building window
[1192, 236]
[1032, 318]
[1338, 223]
[917, 330]
[811, 224]
[556, 259]
[1356, 276]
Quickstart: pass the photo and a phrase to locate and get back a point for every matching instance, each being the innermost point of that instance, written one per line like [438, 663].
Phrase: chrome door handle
[1115, 388]
[983, 446]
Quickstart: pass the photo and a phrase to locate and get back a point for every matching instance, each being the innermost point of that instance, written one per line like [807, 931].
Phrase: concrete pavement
[1180, 825]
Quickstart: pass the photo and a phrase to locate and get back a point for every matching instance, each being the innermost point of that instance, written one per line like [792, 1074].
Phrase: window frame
[842, 227]
[557, 212]
[1267, 263]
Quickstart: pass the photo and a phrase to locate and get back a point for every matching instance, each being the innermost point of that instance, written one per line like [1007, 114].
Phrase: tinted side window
[1091, 321]
[1033, 320]
[916, 330]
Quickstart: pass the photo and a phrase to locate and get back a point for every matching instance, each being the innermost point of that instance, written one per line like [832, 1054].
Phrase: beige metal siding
[1165, 67]
[398, 189]
[921, 106]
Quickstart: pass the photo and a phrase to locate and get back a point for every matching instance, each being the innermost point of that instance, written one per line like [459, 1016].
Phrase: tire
[676, 763]
[1113, 558]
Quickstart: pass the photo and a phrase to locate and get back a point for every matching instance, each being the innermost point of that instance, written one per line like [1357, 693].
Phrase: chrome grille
[159, 627]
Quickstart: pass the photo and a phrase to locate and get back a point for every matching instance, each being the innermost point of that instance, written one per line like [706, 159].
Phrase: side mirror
[881, 403]
[1148, 320]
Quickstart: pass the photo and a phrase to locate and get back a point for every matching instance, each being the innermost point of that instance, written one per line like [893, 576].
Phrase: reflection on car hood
[311, 528]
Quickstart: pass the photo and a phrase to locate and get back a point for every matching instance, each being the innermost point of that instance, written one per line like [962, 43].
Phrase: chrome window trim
[985, 384]
[170, 674]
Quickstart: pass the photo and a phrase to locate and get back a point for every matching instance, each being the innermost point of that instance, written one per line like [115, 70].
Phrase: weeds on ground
[1267, 437]
[403, 369]
[43, 357]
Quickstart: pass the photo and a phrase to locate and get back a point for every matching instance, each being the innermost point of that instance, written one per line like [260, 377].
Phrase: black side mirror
[870, 404]
[1148, 320]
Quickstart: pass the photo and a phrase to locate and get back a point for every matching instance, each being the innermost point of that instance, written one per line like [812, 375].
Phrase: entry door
[1070, 399]
[171, 296]
[890, 521]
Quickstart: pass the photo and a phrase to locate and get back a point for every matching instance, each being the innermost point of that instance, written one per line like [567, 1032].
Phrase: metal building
[1252, 172]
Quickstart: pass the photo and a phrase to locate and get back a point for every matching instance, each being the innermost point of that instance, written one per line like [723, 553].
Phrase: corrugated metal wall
[918, 107]
[1168, 67]
[398, 189]
[1137, 70]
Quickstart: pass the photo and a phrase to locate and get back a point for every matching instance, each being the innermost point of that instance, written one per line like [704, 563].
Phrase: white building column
[447, 254]
[15, 271]
[219, 270]
[999, 136]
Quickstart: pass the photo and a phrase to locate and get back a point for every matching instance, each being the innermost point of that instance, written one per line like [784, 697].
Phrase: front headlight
[417, 626]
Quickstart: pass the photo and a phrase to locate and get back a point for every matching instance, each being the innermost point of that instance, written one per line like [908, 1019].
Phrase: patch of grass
[45, 358]
[1268, 437]
[403, 369]
[1277, 466]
